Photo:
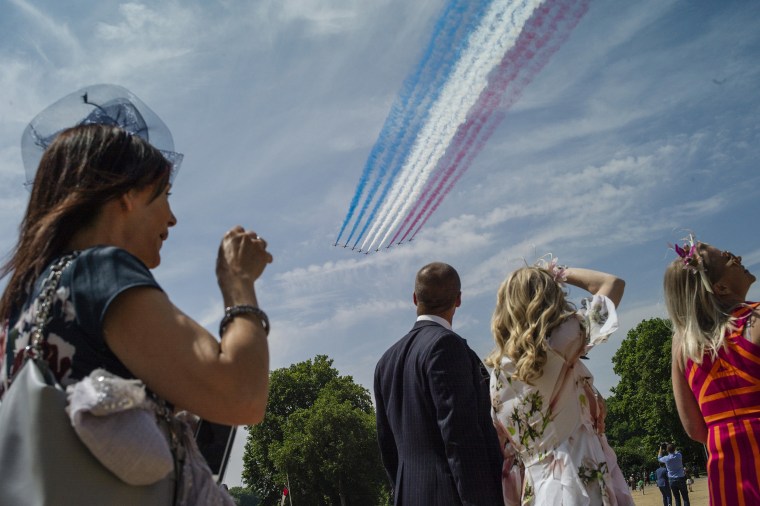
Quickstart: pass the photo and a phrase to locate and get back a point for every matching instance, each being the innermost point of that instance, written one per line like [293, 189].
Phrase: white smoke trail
[499, 30]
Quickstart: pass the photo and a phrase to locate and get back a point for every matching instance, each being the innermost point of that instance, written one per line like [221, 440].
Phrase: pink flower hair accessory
[551, 264]
[691, 259]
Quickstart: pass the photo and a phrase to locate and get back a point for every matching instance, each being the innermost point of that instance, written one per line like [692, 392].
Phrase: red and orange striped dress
[728, 392]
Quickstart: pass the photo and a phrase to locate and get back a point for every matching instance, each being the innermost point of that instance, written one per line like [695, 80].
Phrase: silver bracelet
[233, 311]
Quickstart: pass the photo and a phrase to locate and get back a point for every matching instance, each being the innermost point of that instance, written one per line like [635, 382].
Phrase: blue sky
[642, 125]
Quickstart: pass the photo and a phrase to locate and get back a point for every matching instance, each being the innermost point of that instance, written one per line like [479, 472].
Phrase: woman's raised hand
[241, 259]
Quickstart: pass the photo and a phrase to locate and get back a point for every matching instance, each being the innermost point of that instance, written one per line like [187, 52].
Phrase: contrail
[498, 31]
[437, 87]
[440, 49]
[480, 58]
[408, 109]
[481, 113]
[542, 37]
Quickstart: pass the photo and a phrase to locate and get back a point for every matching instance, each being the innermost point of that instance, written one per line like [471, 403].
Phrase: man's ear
[414, 298]
[459, 300]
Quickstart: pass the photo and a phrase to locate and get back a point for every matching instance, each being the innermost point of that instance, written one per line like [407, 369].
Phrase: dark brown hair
[82, 169]
[437, 287]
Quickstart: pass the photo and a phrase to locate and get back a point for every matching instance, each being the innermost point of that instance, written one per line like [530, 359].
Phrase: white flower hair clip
[551, 263]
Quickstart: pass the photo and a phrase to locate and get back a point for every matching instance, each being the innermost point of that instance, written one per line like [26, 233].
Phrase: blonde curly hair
[699, 317]
[530, 304]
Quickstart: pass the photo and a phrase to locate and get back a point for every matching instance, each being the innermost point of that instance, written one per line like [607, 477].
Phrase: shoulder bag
[42, 460]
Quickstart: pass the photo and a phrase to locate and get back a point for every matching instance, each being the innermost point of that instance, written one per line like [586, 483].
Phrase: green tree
[318, 435]
[244, 496]
[642, 411]
[633, 461]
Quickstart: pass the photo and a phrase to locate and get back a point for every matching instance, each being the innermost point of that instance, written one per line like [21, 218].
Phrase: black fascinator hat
[104, 104]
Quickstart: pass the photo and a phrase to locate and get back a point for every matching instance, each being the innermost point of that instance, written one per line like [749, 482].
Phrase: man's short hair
[671, 448]
[437, 287]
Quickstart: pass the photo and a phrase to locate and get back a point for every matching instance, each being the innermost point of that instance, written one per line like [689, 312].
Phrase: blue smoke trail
[497, 31]
[414, 90]
[442, 55]
[419, 90]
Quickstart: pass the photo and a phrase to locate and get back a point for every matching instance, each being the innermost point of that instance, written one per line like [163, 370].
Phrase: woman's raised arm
[224, 382]
[597, 283]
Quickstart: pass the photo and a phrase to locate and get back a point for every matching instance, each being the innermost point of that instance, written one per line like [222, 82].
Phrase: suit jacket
[434, 427]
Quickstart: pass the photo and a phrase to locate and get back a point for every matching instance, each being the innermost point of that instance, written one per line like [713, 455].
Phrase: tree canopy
[243, 496]
[642, 411]
[318, 436]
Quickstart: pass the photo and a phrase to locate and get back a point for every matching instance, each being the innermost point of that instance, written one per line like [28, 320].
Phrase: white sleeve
[599, 318]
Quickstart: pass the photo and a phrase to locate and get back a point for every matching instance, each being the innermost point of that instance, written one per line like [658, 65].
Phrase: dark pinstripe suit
[434, 426]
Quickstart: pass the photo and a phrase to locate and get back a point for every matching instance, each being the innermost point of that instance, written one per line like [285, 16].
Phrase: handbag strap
[34, 351]
[45, 302]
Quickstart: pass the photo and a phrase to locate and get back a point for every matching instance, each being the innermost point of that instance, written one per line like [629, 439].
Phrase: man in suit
[437, 440]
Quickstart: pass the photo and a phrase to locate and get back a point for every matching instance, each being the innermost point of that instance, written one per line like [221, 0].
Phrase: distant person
[640, 485]
[661, 475]
[689, 479]
[673, 461]
[437, 441]
[716, 368]
[549, 416]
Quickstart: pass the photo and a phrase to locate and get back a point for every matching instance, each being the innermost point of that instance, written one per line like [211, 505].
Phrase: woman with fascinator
[547, 412]
[716, 365]
[100, 201]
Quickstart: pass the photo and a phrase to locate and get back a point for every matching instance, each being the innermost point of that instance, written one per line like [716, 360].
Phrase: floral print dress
[552, 432]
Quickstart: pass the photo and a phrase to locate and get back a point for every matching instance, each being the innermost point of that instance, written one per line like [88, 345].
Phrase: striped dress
[728, 392]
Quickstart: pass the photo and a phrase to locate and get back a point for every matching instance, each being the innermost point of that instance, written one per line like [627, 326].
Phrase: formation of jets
[366, 252]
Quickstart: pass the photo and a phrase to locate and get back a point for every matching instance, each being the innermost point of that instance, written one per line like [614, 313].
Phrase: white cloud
[323, 17]
[50, 35]
[139, 21]
[750, 258]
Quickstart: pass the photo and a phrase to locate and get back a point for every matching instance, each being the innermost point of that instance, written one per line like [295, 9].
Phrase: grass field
[653, 497]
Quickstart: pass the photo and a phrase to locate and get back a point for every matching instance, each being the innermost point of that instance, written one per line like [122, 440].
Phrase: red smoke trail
[512, 63]
[518, 68]
[465, 154]
[486, 110]
[433, 182]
